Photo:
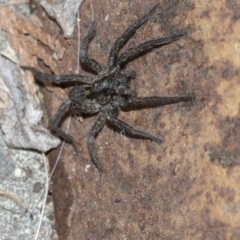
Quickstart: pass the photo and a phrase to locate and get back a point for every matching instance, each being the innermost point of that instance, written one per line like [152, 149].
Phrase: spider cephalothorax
[110, 91]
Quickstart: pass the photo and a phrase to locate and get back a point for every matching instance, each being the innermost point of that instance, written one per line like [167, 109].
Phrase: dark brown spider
[110, 91]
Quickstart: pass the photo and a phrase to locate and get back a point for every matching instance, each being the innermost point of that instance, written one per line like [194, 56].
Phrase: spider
[109, 92]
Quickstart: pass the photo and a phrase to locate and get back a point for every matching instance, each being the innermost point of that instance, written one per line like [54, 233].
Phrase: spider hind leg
[96, 128]
[56, 120]
[132, 131]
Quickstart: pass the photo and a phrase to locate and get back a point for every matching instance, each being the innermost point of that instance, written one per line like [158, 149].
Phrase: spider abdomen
[82, 100]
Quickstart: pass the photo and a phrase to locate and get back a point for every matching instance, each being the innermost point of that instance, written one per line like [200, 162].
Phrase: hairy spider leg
[131, 53]
[59, 78]
[55, 122]
[129, 73]
[88, 62]
[121, 41]
[130, 130]
[150, 102]
[96, 128]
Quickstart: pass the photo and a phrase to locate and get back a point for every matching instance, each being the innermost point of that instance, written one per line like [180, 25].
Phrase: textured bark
[187, 187]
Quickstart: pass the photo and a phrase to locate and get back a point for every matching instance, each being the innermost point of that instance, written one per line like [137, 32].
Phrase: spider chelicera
[110, 91]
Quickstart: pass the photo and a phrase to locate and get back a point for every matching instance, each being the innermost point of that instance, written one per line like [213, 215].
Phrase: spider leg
[59, 78]
[132, 131]
[120, 42]
[54, 125]
[132, 53]
[150, 102]
[88, 62]
[96, 128]
[129, 73]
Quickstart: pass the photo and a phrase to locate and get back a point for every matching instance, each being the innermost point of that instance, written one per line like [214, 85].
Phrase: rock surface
[187, 187]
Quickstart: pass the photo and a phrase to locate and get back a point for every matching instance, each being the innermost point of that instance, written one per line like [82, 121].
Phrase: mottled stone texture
[187, 187]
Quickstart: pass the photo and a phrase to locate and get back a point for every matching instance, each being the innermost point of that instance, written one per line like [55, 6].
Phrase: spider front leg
[88, 62]
[120, 42]
[55, 122]
[132, 53]
[151, 102]
[132, 131]
[129, 73]
[96, 128]
[59, 78]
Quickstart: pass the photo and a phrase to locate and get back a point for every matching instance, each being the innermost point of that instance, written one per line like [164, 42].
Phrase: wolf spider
[110, 91]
